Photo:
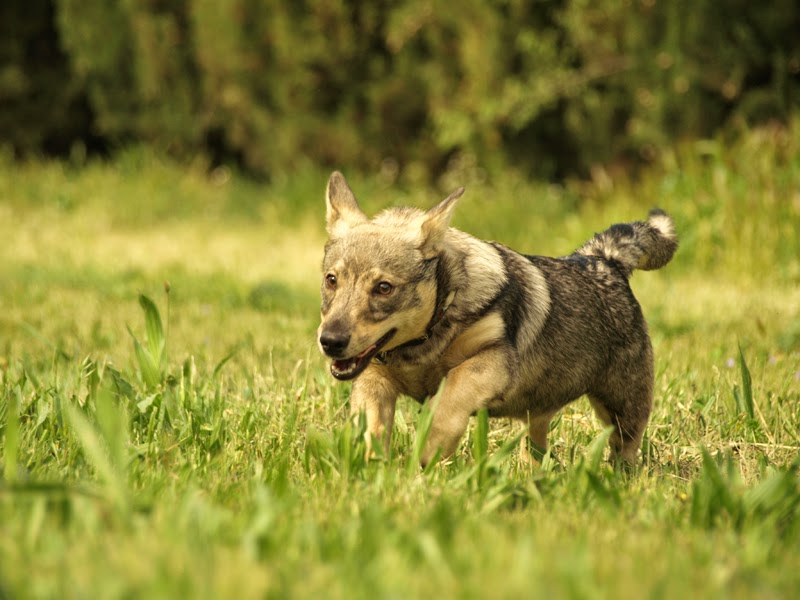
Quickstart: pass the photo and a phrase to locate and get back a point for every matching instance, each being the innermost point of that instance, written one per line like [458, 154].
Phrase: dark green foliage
[42, 105]
[406, 88]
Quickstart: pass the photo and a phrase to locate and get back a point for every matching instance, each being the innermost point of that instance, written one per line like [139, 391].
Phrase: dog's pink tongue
[364, 353]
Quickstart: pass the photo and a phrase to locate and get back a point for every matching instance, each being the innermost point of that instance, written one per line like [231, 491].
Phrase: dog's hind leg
[538, 428]
[628, 413]
[624, 399]
[468, 388]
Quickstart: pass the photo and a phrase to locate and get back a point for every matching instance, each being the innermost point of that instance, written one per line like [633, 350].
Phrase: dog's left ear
[436, 222]
[343, 211]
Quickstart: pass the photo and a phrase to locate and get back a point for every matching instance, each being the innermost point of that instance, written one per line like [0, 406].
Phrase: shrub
[412, 88]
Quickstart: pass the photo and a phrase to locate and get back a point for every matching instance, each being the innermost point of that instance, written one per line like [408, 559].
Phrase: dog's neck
[444, 299]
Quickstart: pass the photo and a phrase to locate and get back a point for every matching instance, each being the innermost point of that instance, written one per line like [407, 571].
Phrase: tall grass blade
[424, 424]
[96, 453]
[480, 447]
[720, 490]
[747, 387]
[11, 441]
[480, 444]
[112, 419]
[776, 497]
[225, 360]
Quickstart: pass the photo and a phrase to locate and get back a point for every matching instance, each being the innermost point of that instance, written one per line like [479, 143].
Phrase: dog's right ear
[343, 211]
[436, 223]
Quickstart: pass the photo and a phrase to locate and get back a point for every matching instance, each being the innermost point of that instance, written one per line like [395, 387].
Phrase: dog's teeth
[345, 367]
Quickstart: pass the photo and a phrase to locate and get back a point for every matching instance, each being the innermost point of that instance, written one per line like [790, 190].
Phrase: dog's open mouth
[349, 368]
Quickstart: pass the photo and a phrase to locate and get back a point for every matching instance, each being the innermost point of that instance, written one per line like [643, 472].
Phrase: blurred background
[408, 89]
[164, 162]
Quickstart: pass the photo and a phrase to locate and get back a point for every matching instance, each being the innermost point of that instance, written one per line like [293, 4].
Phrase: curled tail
[645, 245]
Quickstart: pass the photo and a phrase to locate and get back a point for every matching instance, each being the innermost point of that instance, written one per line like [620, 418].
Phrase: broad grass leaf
[594, 453]
[156, 342]
[150, 369]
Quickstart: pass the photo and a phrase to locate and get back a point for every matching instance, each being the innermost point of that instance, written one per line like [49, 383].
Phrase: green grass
[216, 460]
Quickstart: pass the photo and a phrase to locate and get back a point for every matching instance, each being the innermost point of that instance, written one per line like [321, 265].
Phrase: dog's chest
[419, 381]
[419, 376]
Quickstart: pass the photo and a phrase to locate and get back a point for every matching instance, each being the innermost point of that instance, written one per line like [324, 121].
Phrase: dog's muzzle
[345, 369]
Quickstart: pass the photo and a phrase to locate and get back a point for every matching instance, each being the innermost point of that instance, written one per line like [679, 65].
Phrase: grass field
[205, 452]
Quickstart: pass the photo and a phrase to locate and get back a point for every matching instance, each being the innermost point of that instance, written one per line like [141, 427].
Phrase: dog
[408, 301]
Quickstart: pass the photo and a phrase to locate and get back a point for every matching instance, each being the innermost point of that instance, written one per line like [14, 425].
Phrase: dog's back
[594, 340]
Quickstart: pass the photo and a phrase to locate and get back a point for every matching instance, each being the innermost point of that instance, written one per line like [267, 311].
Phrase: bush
[410, 88]
[42, 108]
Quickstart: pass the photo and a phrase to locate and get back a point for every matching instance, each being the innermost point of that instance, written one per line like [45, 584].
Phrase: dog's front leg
[468, 388]
[375, 396]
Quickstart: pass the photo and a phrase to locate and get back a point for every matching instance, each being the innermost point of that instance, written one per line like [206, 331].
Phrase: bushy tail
[642, 245]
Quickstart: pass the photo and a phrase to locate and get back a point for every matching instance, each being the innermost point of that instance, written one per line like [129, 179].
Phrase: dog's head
[378, 277]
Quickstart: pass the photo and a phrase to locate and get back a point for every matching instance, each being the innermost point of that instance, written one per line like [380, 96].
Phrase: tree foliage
[412, 87]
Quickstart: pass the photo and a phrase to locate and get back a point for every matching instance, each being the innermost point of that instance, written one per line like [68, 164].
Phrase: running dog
[408, 301]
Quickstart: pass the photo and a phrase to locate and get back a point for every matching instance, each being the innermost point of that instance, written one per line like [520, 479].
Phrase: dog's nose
[333, 344]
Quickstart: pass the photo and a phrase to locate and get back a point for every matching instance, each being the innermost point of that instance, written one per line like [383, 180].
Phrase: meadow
[169, 429]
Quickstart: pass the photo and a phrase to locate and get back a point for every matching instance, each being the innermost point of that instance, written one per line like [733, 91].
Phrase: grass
[190, 443]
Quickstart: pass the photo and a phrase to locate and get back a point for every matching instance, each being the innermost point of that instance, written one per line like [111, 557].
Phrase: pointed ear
[436, 223]
[343, 211]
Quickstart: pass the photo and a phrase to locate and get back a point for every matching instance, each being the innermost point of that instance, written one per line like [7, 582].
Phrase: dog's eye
[330, 281]
[384, 288]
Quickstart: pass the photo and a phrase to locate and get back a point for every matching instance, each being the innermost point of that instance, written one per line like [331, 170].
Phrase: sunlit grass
[232, 470]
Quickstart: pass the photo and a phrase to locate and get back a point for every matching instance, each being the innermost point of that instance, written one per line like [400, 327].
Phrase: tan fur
[377, 397]
[538, 428]
[468, 388]
[488, 330]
